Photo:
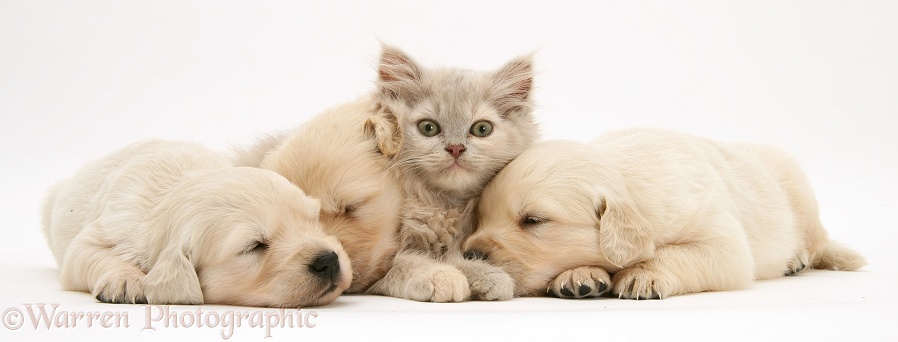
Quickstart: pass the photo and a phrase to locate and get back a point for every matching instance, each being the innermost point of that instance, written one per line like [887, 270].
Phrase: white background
[79, 79]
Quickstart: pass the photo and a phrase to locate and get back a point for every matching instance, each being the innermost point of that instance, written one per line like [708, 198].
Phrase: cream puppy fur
[333, 157]
[665, 213]
[164, 222]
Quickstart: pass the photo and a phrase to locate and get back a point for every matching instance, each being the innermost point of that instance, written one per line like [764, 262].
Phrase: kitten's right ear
[397, 73]
[384, 128]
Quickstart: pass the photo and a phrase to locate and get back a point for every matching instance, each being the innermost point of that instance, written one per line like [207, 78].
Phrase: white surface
[819, 78]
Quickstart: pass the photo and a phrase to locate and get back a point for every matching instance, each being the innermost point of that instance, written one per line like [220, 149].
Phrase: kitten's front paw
[496, 285]
[433, 231]
[445, 225]
[581, 282]
[641, 282]
[121, 288]
[439, 284]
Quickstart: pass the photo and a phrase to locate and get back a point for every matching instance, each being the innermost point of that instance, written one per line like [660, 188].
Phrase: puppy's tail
[838, 257]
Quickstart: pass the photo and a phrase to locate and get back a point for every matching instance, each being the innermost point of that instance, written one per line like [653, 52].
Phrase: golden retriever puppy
[164, 222]
[337, 158]
[665, 213]
[333, 157]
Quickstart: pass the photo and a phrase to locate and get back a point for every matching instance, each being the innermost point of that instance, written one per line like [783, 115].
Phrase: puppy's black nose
[326, 265]
[474, 254]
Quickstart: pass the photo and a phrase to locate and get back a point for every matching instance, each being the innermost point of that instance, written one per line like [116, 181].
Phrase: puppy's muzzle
[326, 266]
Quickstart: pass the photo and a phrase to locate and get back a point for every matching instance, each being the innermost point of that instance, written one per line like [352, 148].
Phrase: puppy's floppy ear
[311, 207]
[512, 85]
[384, 128]
[397, 75]
[624, 234]
[173, 279]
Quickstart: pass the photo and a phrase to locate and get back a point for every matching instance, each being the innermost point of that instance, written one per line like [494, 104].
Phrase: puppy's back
[125, 182]
[253, 155]
[783, 221]
[822, 253]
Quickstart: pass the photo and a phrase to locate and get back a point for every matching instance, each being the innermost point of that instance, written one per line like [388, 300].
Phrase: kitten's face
[458, 128]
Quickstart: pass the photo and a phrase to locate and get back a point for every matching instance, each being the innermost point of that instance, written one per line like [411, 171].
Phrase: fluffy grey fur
[449, 132]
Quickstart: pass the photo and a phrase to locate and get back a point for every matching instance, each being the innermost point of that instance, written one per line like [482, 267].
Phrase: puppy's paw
[797, 264]
[121, 288]
[641, 282]
[581, 282]
[439, 284]
[495, 285]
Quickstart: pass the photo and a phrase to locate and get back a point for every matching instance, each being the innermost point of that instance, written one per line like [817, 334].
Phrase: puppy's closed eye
[352, 209]
[532, 220]
[256, 247]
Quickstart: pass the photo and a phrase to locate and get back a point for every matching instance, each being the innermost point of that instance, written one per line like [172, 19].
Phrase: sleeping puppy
[333, 157]
[665, 213]
[164, 222]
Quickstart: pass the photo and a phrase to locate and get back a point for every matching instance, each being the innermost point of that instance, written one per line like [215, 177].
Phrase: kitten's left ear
[512, 85]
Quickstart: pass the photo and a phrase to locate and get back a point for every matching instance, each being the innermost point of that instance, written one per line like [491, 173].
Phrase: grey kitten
[452, 130]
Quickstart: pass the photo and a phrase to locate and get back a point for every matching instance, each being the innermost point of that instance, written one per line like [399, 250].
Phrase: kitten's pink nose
[455, 150]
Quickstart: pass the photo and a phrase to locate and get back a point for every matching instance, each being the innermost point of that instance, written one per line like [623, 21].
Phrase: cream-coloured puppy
[164, 222]
[665, 213]
[333, 157]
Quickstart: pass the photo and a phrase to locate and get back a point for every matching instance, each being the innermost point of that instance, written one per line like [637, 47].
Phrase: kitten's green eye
[428, 128]
[481, 128]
